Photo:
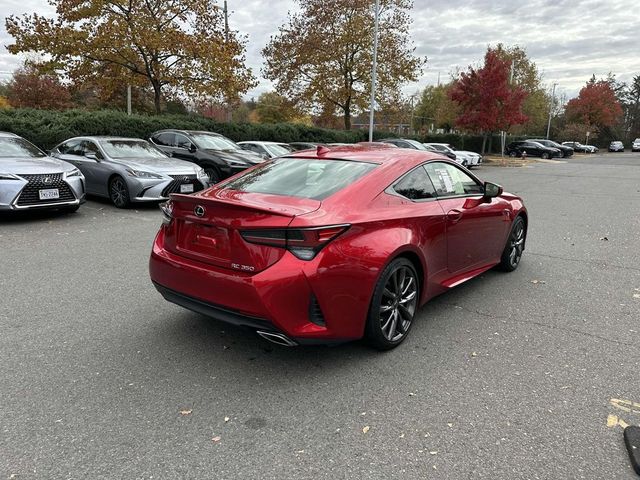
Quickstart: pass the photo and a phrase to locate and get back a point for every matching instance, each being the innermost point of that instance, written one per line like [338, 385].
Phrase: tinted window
[450, 181]
[213, 142]
[72, 147]
[415, 185]
[181, 141]
[90, 147]
[296, 177]
[165, 139]
[18, 148]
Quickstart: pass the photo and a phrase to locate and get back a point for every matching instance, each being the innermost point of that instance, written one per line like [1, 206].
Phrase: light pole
[373, 70]
[553, 98]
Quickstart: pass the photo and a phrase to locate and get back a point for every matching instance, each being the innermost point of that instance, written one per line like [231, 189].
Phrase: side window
[90, 147]
[165, 139]
[72, 147]
[451, 181]
[182, 142]
[415, 185]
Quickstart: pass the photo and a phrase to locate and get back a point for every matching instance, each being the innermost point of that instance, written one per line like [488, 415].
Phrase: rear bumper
[277, 299]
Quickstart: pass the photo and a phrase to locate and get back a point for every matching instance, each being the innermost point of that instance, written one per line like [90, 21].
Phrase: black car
[304, 145]
[534, 149]
[217, 155]
[565, 150]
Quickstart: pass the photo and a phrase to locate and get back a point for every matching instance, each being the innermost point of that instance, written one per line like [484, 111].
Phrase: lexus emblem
[185, 179]
[46, 180]
[199, 211]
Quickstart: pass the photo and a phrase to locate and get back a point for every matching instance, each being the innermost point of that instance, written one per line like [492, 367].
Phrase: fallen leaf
[365, 429]
[216, 439]
[402, 436]
[450, 425]
[474, 354]
[299, 451]
[226, 419]
[434, 452]
[535, 282]
[604, 239]
[185, 412]
[411, 394]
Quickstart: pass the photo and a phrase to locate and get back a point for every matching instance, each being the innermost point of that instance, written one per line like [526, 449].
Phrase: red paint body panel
[450, 240]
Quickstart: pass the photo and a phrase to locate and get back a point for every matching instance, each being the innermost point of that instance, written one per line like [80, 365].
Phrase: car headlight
[201, 173]
[73, 173]
[235, 163]
[143, 174]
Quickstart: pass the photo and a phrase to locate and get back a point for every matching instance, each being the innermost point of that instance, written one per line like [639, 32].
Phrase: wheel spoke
[407, 286]
[386, 308]
[407, 298]
[388, 293]
[394, 323]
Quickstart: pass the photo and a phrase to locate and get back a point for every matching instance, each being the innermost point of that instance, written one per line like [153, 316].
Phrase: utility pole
[226, 39]
[373, 70]
[553, 98]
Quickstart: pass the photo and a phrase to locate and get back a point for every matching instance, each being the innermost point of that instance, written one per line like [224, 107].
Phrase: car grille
[30, 195]
[174, 186]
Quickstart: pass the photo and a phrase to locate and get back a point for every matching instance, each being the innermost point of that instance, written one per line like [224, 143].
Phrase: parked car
[463, 157]
[303, 145]
[127, 170]
[635, 146]
[408, 143]
[565, 150]
[533, 149]
[266, 149]
[30, 180]
[335, 245]
[215, 153]
[578, 147]
[616, 146]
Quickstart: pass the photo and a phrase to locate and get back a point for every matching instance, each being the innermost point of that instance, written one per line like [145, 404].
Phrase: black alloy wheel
[212, 173]
[544, 155]
[393, 306]
[512, 253]
[119, 193]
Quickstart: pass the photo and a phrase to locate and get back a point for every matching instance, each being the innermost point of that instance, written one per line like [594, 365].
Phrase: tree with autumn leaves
[322, 56]
[596, 107]
[172, 47]
[487, 99]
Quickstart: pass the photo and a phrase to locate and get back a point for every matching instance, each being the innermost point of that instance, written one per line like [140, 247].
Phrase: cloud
[569, 40]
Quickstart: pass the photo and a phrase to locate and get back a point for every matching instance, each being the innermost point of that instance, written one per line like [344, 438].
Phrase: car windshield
[130, 149]
[442, 148]
[207, 141]
[277, 150]
[16, 147]
[417, 144]
[297, 177]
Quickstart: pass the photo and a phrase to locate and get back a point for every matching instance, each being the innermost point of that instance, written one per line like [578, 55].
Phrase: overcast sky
[568, 40]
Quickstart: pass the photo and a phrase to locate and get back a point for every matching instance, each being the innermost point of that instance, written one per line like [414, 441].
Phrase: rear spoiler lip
[273, 211]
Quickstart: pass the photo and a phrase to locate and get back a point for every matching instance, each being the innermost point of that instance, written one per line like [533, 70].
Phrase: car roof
[261, 142]
[436, 143]
[187, 132]
[368, 153]
[8, 135]
[104, 137]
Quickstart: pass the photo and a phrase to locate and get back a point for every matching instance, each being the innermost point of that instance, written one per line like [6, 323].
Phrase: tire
[544, 155]
[382, 330]
[512, 253]
[513, 154]
[119, 192]
[561, 154]
[214, 175]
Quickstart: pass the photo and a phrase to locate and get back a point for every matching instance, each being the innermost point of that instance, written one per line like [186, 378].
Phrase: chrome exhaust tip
[277, 338]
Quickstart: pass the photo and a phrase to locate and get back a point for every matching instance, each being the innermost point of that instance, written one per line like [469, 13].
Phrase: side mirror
[92, 156]
[492, 190]
[192, 148]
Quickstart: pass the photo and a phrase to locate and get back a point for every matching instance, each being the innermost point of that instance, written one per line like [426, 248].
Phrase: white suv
[635, 146]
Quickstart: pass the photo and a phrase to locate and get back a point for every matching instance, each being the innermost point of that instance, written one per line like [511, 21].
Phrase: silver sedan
[29, 179]
[127, 170]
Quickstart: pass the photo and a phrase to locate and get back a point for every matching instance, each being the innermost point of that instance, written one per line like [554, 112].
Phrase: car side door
[476, 226]
[98, 166]
[184, 148]
[72, 151]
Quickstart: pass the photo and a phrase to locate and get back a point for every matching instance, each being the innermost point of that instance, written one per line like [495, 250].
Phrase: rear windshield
[301, 177]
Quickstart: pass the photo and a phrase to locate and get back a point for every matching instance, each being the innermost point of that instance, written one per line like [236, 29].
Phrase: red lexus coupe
[334, 244]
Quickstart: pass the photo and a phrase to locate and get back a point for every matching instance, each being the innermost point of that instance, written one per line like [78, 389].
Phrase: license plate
[186, 188]
[49, 193]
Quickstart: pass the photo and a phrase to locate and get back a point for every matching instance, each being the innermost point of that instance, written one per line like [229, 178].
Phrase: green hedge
[47, 128]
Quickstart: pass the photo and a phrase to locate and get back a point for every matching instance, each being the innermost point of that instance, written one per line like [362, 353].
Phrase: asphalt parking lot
[509, 376]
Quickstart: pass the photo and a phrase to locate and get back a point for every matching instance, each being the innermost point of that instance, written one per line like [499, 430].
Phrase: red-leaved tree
[29, 88]
[595, 106]
[488, 102]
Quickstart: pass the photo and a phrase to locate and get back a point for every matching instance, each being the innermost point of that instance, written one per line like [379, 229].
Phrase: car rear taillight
[304, 243]
[167, 212]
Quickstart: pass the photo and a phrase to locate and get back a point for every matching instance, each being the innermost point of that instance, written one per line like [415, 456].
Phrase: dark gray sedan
[127, 170]
[29, 179]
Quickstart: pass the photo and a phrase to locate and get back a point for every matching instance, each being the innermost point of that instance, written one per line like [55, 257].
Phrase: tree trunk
[484, 143]
[490, 142]
[157, 96]
[347, 115]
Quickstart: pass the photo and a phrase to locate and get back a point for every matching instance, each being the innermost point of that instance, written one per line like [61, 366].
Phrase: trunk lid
[206, 227]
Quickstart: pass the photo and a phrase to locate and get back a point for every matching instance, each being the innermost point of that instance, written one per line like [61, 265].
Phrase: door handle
[454, 215]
